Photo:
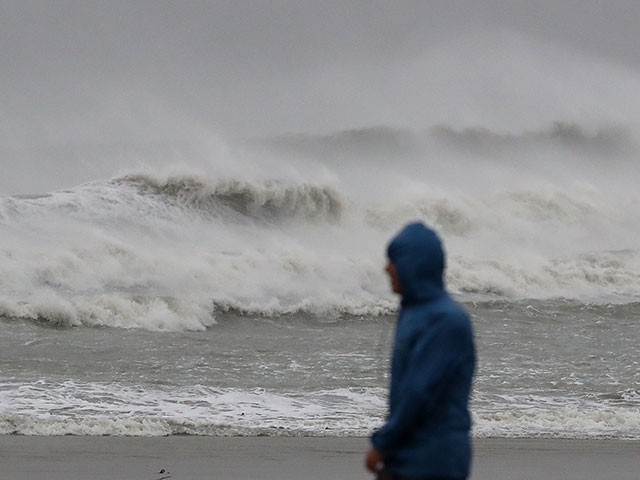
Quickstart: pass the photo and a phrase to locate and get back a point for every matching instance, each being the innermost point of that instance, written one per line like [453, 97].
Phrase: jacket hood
[417, 254]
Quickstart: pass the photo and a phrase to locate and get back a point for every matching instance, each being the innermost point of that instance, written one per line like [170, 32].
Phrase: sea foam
[306, 232]
[70, 408]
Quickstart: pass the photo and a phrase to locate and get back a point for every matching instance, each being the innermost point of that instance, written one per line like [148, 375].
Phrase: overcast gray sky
[76, 71]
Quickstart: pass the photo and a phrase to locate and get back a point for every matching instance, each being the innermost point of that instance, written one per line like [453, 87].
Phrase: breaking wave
[96, 409]
[169, 250]
[388, 141]
[374, 141]
[271, 200]
[167, 254]
[568, 136]
[159, 196]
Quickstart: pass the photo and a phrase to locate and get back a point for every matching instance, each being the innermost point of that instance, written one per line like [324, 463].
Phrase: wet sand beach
[265, 458]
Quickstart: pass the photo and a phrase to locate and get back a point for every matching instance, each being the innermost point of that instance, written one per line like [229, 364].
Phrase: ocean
[239, 290]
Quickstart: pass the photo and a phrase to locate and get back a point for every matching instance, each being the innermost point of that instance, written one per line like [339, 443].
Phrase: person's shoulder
[447, 306]
[449, 314]
[441, 308]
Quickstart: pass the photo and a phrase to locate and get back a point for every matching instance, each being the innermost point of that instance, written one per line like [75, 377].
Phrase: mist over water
[303, 228]
[84, 127]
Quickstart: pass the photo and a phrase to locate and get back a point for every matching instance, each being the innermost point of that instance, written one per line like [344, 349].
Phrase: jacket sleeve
[433, 359]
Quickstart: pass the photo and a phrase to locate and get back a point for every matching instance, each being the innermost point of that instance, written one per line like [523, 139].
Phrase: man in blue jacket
[426, 435]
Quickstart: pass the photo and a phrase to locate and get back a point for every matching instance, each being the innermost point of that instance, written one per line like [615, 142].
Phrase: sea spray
[167, 250]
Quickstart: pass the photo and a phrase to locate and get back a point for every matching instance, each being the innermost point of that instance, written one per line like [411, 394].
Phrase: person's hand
[373, 460]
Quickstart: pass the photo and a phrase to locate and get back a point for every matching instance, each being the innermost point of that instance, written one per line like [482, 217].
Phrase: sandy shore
[265, 458]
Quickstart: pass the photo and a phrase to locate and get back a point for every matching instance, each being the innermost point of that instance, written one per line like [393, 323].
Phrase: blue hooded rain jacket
[427, 431]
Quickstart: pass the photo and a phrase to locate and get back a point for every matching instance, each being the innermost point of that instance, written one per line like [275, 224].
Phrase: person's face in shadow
[393, 277]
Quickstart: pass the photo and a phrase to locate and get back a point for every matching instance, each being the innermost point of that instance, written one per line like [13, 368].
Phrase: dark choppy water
[556, 368]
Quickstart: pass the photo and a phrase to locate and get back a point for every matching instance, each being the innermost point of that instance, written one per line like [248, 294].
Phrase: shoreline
[266, 458]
